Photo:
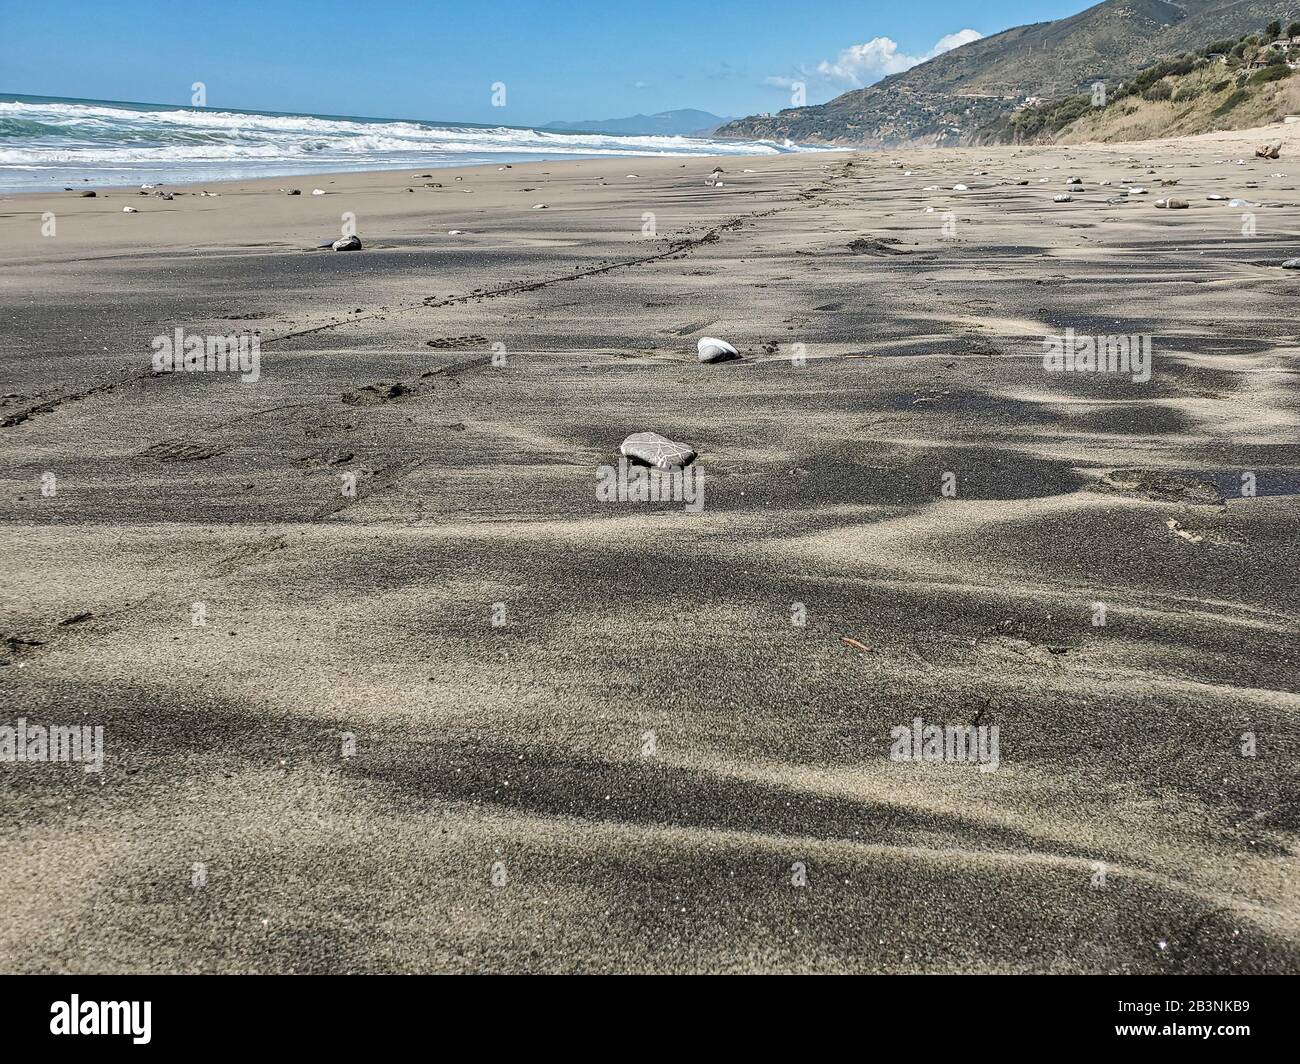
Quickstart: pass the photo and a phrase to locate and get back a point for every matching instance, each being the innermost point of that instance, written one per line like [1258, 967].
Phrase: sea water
[49, 143]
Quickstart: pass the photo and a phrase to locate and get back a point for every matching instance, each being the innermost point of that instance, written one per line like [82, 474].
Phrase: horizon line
[365, 118]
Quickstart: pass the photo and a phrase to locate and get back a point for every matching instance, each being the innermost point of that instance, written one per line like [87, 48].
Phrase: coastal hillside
[950, 98]
[1229, 85]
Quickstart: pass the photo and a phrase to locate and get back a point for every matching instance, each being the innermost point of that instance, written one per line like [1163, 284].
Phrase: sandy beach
[385, 686]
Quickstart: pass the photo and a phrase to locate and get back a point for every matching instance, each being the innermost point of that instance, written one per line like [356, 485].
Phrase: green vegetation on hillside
[1223, 76]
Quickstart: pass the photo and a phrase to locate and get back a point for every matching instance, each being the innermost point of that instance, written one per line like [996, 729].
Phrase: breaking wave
[43, 141]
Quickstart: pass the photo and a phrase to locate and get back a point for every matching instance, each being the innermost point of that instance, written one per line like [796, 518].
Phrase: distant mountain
[947, 99]
[684, 123]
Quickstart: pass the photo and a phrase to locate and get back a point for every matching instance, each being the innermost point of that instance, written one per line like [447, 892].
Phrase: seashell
[711, 349]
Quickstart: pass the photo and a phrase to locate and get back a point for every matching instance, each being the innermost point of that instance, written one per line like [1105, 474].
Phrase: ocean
[47, 142]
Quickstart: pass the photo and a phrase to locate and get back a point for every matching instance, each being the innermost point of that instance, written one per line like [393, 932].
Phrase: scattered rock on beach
[1291, 264]
[90, 194]
[318, 192]
[870, 246]
[1172, 204]
[711, 349]
[1063, 198]
[656, 450]
[1269, 151]
[129, 210]
[347, 243]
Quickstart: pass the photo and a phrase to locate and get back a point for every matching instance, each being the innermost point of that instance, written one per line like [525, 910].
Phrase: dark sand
[523, 744]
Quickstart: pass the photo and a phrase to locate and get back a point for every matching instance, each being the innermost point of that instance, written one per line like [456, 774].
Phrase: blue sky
[437, 60]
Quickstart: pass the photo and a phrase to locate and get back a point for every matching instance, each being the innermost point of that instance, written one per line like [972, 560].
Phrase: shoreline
[1236, 140]
[268, 180]
[507, 159]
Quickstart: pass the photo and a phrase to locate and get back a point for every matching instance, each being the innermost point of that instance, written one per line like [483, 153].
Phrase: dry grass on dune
[1206, 102]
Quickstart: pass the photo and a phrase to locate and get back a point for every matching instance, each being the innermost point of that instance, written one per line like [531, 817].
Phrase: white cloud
[863, 64]
[954, 40]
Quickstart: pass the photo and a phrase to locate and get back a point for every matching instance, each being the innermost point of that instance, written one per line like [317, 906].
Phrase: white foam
[98, 135]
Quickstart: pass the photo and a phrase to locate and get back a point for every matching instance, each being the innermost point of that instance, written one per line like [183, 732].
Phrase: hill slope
[1245, 86]
[947, 99]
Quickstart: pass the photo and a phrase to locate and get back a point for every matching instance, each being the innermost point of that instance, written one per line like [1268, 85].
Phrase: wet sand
[648, 766]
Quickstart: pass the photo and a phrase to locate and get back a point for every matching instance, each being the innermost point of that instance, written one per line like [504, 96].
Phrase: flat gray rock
[1291, 264]
[656, 450]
